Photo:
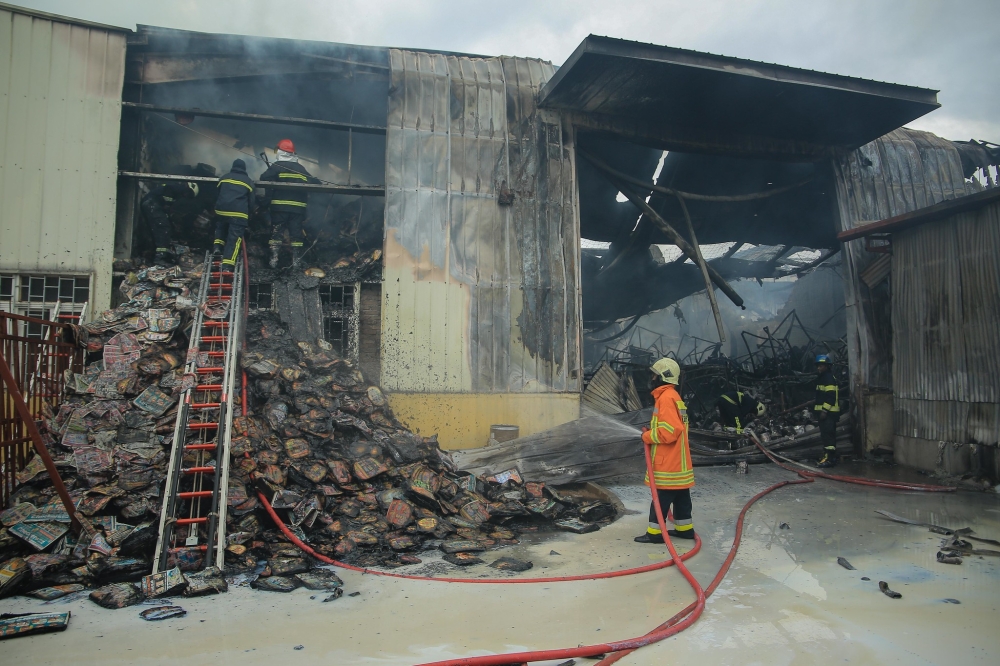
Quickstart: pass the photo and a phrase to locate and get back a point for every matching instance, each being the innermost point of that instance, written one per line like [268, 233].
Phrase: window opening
[260, 296]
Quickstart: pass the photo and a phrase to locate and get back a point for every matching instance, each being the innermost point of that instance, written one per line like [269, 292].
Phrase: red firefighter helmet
[286, 145]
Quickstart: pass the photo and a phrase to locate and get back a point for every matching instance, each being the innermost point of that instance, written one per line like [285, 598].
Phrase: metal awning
[706, 98]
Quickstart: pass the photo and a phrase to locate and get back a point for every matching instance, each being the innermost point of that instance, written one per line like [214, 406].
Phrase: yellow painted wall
[463, 420]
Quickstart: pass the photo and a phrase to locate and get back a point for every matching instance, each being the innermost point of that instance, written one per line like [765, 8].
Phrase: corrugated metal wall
[946, 329]
[897, 173]
[478, 296]
[60, 108]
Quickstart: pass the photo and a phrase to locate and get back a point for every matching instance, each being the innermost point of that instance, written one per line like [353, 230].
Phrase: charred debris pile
[319, 442]
[777, 370]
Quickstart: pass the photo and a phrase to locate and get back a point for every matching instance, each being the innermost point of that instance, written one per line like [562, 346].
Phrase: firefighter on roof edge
[737, 409]
[667, 435]
[232, 211]
[827, 409]
[154, 207]
[287, 206]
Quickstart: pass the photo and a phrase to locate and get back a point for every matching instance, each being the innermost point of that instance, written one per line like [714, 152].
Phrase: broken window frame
[346, 311]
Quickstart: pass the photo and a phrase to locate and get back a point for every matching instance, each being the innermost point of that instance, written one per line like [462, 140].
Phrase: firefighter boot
[829, 458]
[649, 537]
[681, 534]
[273, 261]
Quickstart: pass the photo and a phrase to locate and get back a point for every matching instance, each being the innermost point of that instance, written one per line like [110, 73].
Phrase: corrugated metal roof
[478, 296]
[59, 126]
[697, 92]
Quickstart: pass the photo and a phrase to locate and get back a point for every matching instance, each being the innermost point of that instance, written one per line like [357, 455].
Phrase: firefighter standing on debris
[287, 206]
[737, 408]
[233, 204]
[154, 207]
[827, 409]
[673, 473]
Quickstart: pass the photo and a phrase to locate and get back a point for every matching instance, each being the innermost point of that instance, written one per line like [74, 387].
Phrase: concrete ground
[785, 600]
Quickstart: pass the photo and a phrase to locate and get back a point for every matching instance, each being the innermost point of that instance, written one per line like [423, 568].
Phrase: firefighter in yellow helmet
[667, 437]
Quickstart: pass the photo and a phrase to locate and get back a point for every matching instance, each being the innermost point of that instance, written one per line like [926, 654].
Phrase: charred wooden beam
[700, 260]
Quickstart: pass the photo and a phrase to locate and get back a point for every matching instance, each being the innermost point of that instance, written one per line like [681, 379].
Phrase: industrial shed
[466, 184]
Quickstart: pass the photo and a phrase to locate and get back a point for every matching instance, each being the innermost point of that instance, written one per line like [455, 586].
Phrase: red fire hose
[618, 649]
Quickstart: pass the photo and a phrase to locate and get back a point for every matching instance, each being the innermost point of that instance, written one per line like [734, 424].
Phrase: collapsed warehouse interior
[194, 102]
[754, 220]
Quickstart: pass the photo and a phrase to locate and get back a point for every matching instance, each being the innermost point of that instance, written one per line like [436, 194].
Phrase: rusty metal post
[36, 438]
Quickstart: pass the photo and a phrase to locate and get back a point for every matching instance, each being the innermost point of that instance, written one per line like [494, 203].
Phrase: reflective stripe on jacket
[827, 394]
[668, 439]
[288, 200]
[235, 196]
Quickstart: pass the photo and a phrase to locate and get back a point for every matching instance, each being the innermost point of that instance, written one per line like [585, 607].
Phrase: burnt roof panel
[730, 97]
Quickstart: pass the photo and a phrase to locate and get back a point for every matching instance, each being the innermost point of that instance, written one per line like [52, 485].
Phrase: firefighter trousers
[828, 431]
[229, 233]
[283, 220]
[681, 502]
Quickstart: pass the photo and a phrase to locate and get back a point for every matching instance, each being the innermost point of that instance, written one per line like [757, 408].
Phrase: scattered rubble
[884, 587]
[319, 442]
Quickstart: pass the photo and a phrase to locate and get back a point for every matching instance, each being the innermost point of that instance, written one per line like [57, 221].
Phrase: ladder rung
[202, 426]
[213, 338]
[220, 285]
[190, 521]
[220, 273]
[222, 324]
[197, 470]
[208, 387]
[201, 447]
[195, 493]
[206, 405]
[177, 550]
[209, 371]
[216, 354]
[216, 299]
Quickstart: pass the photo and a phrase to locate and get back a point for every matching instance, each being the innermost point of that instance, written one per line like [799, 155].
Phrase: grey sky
[949, 45]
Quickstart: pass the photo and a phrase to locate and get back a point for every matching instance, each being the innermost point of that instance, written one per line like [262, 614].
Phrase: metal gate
[35, 356]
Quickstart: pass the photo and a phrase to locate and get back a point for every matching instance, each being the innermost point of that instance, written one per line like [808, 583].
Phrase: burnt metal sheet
[946, 324]
[903, 171]
[479, 295]
[696, 93]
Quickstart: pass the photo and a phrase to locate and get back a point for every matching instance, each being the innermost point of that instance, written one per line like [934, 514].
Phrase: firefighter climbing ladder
[193, 515]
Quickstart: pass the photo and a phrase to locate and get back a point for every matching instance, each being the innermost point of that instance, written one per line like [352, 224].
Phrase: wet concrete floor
[785, 600]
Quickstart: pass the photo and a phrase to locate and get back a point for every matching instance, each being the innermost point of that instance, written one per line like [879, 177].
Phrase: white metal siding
[60, 110]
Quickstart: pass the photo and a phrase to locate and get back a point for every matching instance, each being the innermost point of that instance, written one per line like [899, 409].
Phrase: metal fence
[35, 356]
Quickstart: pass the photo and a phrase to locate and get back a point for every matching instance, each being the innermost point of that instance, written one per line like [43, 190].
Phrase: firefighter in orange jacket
[673, 474]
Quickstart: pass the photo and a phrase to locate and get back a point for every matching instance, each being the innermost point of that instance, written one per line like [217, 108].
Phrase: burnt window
[260, 296]
[6, 287]
[337, 296]
[335, 332]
